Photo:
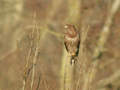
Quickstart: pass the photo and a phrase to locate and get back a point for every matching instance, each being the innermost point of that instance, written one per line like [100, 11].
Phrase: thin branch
[40, 36]
[26, 74]
[27, 70]
[36, 54]
[33, 70]
[38, 83]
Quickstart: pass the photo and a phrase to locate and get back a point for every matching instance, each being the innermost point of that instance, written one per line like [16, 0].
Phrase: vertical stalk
[66, 73]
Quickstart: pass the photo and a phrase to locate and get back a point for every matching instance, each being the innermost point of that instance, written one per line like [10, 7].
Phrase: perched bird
[71, 41]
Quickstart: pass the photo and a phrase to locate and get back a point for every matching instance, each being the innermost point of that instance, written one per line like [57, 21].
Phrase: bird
[71, 41]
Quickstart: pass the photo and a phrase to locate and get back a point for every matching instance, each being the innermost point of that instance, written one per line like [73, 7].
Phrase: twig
[26, 72]
[34, 64]
[38, 83]
[40, 35]
[36, 54]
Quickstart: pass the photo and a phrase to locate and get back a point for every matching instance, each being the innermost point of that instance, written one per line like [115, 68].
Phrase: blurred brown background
[31, 32]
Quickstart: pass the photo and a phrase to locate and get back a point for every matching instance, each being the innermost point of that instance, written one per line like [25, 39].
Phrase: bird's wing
[78, 46]
[66, 45]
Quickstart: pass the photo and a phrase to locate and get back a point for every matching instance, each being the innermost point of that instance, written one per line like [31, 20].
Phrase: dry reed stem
[36, 51]
[26, 73]
[82, 46]
[81, 64]
[35, 56]
[38, 84]
[24, 83]
[73, 11]
[62, 73]
[27, 69]
[40, 35]
[100, 47]
[33, 70]
[69, 75]
[66, 72]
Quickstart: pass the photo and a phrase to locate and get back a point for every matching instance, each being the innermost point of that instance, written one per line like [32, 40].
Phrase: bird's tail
[73, 60]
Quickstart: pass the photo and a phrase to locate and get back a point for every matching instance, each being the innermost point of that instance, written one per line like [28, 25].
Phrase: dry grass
[33, 56]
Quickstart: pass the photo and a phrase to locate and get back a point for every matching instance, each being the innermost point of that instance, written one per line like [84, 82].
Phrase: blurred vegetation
[32, 53]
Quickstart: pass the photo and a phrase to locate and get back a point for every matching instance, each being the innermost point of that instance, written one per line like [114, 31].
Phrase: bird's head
[70, 30]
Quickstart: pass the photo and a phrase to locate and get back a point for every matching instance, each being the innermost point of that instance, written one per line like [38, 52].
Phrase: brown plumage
[71, 40]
